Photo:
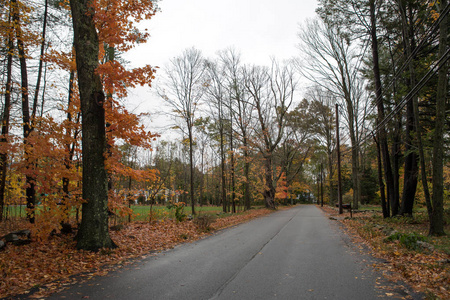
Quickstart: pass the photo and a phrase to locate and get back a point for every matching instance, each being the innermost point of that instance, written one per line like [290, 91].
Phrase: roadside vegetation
[410, 254]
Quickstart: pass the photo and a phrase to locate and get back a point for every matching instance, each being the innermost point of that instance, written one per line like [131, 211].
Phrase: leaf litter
[44, 267]
[426, 271]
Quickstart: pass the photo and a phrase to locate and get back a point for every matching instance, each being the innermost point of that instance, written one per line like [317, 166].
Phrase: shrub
[204, 222]
[178, 207]
[408, 240]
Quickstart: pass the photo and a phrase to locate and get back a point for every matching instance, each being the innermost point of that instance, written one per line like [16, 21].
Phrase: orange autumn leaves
[51, 265]
[53, 148]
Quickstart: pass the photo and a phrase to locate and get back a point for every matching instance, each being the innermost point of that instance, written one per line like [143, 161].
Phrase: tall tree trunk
[338, 154]
[384, 207]
[353, 139]
[93, 233]
[355, 164]
[27, 122]
[411, 167]
[233, 187]
[436, 218]
[381, 115]
[246, 175]
[331, 190]
[222, 174]
[269, 189]
[396, 150]
[69, 152]
[41, 60]
[191, 169]
[396, 145]
[5, 126]
[321, 184]
[423, 170]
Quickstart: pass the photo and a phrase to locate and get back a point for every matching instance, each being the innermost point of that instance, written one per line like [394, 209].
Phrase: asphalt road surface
[291, 254]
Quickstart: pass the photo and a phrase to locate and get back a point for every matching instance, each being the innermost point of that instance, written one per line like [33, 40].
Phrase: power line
[399, 106]
[441, 62]
[431, 31]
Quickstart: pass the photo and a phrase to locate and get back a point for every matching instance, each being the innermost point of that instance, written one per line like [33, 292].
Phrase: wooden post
[338, 161]
[318, 189]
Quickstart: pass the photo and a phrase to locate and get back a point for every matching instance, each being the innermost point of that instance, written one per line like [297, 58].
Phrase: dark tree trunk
[331, 187]
[396, 164]
[93, 233]
[269, 192]
[437, 216]
[338, 154]
[69, 147]
[383, 145]
[222, 170]
[233, 188]
[41, 60]
[191, 169]
[5, 127]
[384, 207]
[354, 143]
[411, 167]
[321, 184]
[27, 122]
[247, 176]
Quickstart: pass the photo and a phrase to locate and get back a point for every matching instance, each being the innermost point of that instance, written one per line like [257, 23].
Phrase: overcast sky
[258, 29]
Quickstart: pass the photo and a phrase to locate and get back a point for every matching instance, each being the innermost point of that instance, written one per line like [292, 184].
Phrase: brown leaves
[50, 265]
[426, 271]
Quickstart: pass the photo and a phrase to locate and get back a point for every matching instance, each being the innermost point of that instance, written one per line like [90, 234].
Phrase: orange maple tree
[53, 146]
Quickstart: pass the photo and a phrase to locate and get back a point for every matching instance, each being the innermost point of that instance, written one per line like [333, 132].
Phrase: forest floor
[424, 265]
[41, 268]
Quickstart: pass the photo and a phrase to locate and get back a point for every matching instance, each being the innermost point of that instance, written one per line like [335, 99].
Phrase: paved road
[292, 254]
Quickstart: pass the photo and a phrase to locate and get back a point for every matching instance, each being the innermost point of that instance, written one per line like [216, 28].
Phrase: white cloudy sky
[259, 29]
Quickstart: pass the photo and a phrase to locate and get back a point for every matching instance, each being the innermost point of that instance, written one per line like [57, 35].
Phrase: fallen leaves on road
[48, 266]
[424, 270]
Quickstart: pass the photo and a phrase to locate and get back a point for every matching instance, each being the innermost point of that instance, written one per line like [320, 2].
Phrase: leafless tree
[272, 93]
[330, 60]
[240, 110]
[183, 89]
[216, 102]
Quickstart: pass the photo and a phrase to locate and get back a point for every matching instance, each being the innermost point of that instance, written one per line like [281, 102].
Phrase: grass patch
[161, 212]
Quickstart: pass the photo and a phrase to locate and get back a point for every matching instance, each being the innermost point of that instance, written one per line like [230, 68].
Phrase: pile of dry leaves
[45, 267]
[426, 270]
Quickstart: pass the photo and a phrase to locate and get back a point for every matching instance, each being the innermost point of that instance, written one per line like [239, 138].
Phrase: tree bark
[269, 191]
[233, 184]
[338, 153]
[27, 121]
[222, 169]
[93, 233]
[411, 167]
[191, 168]
[69, 147]
[383, 145]
[41, 60]
[5, 127]
[384, 207]
[437, 216]
[247, 176]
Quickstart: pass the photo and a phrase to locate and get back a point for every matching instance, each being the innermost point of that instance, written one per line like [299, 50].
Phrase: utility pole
[321, 184]
[338, 161]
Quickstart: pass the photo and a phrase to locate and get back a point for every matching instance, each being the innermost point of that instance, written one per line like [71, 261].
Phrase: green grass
[140, 212]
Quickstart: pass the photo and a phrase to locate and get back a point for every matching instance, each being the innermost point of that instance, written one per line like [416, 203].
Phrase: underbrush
[413, 256]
